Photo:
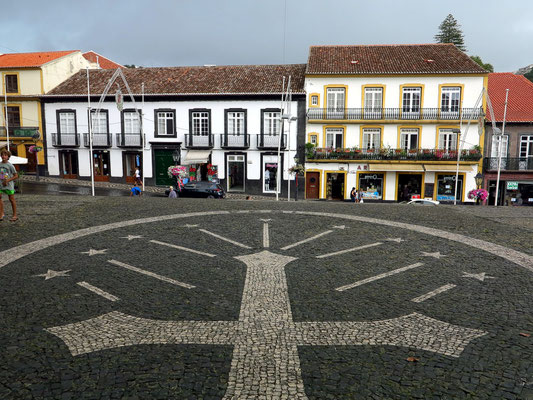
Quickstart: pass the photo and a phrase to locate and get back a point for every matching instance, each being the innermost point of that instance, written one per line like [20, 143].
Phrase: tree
[529, 75]
[450, 32]
[487, 66]
[130, 65]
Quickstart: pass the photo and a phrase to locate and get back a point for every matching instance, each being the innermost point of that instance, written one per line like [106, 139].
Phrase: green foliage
[309, 150]
[529, 75]
[130, 65]
[479, 61]
[450, 32]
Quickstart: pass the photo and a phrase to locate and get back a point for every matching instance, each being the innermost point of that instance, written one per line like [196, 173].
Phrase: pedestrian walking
[353, 195]
[138, 176]
[172, 194]
[8, 174]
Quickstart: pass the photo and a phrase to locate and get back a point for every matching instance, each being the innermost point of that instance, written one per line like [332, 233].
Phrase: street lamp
[479, 180]
[296, 160]
[176, 156]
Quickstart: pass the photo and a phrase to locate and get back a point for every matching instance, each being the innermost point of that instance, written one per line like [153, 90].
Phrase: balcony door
[450, 102]
[497, 149]
[411, 100]
[373, 103]
[336, 101]
[334, 138]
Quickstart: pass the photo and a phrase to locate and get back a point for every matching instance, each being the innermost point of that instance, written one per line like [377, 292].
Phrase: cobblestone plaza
[200, 299]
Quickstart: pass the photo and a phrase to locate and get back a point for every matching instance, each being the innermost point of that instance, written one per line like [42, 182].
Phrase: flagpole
[500, 149]
[142, 133]
[91, 160]
[5, 115]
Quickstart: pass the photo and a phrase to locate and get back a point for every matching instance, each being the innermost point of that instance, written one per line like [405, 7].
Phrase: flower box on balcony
[413, 151]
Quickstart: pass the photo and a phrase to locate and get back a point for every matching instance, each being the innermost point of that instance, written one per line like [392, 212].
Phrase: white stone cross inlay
[265, 361]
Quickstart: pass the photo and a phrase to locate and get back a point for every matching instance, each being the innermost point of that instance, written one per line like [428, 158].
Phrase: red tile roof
[21, 60]
[216, 80]
[105, 63]
[390, 59]
[520, 101]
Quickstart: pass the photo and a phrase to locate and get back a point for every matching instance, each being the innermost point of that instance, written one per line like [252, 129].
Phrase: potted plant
[309, 150]
[479, 195]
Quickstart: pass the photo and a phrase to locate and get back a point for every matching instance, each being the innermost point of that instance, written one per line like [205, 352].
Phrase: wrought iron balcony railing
[65, 139]
[270, 141]
[128, 140]
[99, 140]
[199, 141]
[392, 154]
[384, 114]
[508, 164]
[234, 141]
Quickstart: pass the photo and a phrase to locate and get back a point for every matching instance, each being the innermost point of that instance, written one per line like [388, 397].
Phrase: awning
[3, 144]
[196, 157]
[396, 167]
[447, 168]
[17, 160]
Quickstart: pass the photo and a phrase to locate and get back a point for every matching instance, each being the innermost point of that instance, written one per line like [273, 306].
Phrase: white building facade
[230, 135]
[389, 120]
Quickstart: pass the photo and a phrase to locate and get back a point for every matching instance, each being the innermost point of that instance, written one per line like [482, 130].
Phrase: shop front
[270, 173]
[511, 192]
[236, 172]
[101, 165]
[371, 185]
[446, 187]
[409, 186]
[68, 161]
[335, 185]
[131, 160]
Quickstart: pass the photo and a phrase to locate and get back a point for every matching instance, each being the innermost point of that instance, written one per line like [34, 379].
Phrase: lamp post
[176, 158]
[479, 180]
[296, 160]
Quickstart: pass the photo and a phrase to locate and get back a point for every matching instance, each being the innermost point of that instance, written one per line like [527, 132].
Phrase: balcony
[347, 154]
[232, 141]
[65, 139]
[508, 164]
[199, 141]
[99, 139]
[393, 114]
[271, 141]
[19, 132]
[128, 140]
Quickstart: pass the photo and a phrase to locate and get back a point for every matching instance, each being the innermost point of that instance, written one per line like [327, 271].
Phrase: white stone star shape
[434, 255]
[397, 240]
[480, 277]
[131, 237]
[339, 227]
[52, 274]
[190, 226]
[93, 252]
[265, 219]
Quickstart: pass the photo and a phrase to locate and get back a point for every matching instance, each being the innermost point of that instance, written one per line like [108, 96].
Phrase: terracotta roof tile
[21, 60]
[105, 63]
[233, 79]
[520, 101]
[390, 59]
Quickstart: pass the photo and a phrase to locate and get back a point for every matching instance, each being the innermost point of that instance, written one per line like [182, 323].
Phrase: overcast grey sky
[198, 32]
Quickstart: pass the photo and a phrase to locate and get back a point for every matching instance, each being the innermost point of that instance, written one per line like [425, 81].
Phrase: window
[99, 121]
[13, 116]
[67, 123]
[496, 145]
[334, 137]
[526, 146]
[446, 187]
[373, 102]
[411, 99]
[447, 139]
[165, 122]
[313, 139]
[335, 99]
[200, 123]
[270, 174]
[371, 186]
[371, 138]
[271, 123]
[450, 99]
[314, 100]
[132, 122]
[235, 122]
[408, 139]
[12, 84]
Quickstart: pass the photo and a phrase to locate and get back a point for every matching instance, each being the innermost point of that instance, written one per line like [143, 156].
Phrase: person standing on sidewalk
[8, 174]
[138, 176]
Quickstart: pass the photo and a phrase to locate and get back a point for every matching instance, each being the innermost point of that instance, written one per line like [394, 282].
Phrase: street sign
[512, 185]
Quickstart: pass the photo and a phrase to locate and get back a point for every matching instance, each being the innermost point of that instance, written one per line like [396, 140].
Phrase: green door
[163, 160]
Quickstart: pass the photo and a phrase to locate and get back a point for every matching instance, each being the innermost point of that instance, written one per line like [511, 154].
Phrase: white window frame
[271, 123]
[235, 122]
[410, 103]
[67, 123]
[336, 99]
[162, 118]
[200, 123]
[132, 122]
[314, 100]
[447, 140]
[495, 145]
[373, 99]
[450, 99]
[406, 138]
[371, 138]
[526, 146]
[332, 138]
[269, 160]
[313, 139]
[99, 122]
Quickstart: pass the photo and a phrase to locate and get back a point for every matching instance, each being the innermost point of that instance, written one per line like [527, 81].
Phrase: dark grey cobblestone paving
[36, 364]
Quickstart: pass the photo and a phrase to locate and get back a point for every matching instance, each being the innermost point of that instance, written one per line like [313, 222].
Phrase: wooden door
[312, 185]
[163, 160]
[69, 164]
[32, 162]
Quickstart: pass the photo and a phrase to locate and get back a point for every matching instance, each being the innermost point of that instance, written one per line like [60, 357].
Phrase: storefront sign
[512, 185]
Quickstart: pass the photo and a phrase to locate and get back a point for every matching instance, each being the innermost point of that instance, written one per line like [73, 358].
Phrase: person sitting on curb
[8, 174]
[135, 190]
